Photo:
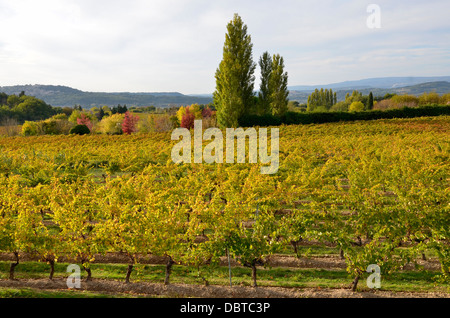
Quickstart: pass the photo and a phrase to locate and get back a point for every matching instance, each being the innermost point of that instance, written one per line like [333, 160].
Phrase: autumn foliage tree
[129, 123]
[207, 112]
[194, 109]
[84, 120]
[187, 121]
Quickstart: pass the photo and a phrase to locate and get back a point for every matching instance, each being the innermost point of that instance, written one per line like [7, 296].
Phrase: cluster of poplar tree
[326, 98]
[234, 96]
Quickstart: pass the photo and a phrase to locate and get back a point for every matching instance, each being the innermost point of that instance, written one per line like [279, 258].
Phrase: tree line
[22, 107]
[325, 100]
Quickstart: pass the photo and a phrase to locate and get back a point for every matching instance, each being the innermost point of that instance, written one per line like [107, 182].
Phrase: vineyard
[376, 192]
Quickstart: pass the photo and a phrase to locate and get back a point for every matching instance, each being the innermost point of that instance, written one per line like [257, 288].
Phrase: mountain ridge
[62, 96]
[375, 82]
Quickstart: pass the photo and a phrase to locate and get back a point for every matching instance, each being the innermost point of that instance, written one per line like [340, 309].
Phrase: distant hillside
[441, 87]
[67, 96]
[380, 82]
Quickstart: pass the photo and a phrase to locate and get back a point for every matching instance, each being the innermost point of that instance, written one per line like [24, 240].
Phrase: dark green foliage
[295, 118]
[263, 120]
[278, 86]
[386, 96]
[23, 107]
[3, 98]
[370, 102]
[146, 109]
[100, 114]
[273, 92]
[80, 130]
[264, 95]
[119, 109]
[32, 108]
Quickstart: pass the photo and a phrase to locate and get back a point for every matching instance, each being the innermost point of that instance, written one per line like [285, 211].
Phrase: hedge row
[295, 118]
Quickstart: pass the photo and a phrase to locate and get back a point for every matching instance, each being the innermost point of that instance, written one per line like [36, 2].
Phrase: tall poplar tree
[278, 82]
[370, 101]
[264, 95]
[235, 78]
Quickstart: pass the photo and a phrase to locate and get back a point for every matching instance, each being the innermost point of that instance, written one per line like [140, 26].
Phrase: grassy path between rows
[423, 281]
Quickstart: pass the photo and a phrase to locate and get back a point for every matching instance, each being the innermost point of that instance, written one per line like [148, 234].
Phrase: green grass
[36, 293]
[408, 281]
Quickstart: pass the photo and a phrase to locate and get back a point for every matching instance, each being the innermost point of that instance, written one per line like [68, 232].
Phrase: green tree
[265, 63]
[31, 108]
[100, 114]
[80, 130]
[3, 98]
[30, 128]
[235, 78]
[370, 102]
[107, 110]
[112, 125]
[355, 97]
[322, 100]
[13, 100]
[278, 86]
[356, 107]
[119, 109]
[431, 98]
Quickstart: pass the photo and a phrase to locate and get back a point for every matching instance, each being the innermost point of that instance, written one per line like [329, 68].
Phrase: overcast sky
[176, 45]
